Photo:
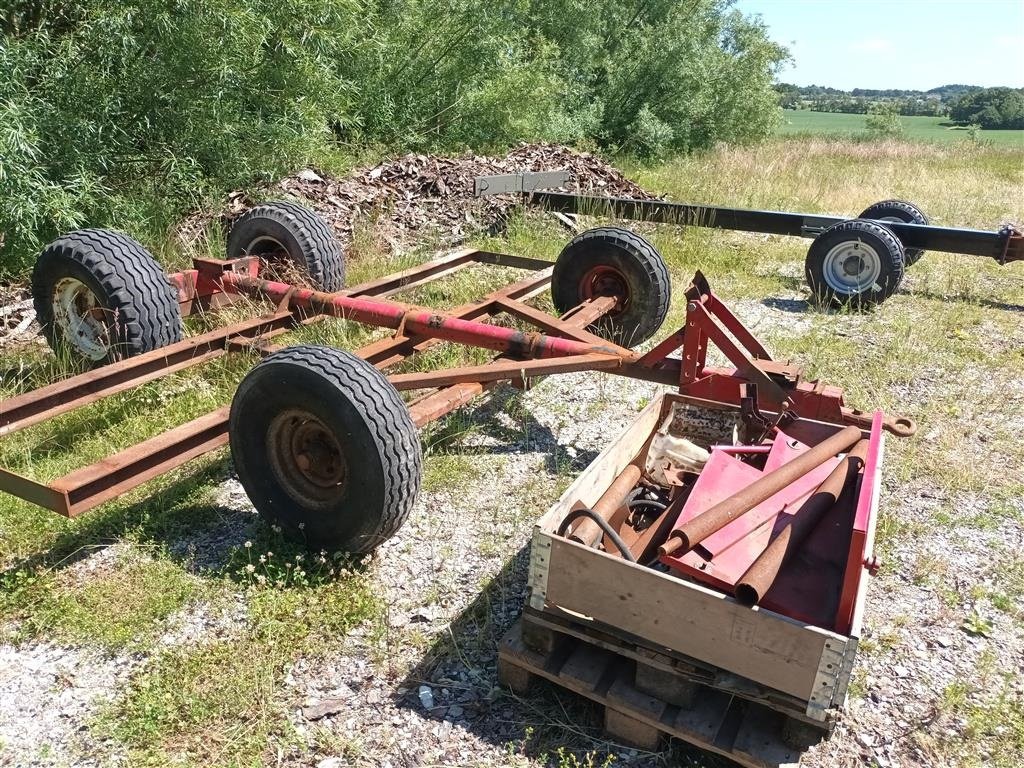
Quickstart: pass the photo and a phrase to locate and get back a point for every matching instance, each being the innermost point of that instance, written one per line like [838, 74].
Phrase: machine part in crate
[284, 232]
[591, 516]
[101, 296]
[898, 211]
[588, 532]
[712, 520]
[672, 454]
[859, 262]
[611, 261]
[759, 578]
[324, 445]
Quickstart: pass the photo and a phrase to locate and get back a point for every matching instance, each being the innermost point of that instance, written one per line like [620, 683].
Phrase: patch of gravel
[918, 639]
[205, 623]
[454, 581]
[50, 692]
[420, 688]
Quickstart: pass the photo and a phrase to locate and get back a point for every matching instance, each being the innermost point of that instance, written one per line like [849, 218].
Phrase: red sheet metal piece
[819, 584]
[725, 556]
[860, 556]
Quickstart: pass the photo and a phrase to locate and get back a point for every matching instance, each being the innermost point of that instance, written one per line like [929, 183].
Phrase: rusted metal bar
[415, 276]
[570, 328]
[503, 370]
[691, 533]
[760, 576]
[434, 405]
[89, 387]
[587, 531]
[589, 312]
[34, 492]
[110, 477]
[417, 322]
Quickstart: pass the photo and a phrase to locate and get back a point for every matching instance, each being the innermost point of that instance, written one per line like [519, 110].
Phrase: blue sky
[915, 44]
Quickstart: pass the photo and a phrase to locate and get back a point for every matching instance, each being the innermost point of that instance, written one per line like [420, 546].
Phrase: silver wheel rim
[852, 267]
[80, 317]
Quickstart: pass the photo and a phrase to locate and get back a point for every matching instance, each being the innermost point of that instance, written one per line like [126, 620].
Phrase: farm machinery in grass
[324, 440]
[852, 262]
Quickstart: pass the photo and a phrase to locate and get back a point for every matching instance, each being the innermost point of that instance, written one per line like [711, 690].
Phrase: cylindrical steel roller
[760, 576]
[588, 532]
[712, 520]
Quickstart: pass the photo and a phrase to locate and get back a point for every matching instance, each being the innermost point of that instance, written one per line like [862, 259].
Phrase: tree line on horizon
[989, 108]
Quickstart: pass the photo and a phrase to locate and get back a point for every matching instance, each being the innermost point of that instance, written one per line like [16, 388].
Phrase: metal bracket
[832, 679]
[512, 183]
[537, 580]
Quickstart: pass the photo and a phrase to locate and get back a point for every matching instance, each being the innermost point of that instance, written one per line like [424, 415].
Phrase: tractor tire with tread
[354, 424]
[100, 294]
[902, 211]
[308, 241]
[614, 261]
[857, 263]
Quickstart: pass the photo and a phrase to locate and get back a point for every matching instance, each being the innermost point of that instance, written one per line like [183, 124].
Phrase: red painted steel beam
[420, 322]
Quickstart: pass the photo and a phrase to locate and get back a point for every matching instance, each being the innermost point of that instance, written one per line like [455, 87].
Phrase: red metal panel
[860, 557]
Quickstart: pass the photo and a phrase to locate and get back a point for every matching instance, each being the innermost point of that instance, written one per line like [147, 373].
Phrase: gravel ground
[424, 692]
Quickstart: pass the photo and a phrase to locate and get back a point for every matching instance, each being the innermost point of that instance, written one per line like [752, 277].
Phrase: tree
[883, 120]
[133, 112]
[991, 108]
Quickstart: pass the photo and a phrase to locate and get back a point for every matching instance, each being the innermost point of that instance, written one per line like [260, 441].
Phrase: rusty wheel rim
[603, 281]
[306, 458]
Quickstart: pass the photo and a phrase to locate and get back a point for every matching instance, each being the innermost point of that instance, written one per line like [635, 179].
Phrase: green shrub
[883, 120]
[127, 114]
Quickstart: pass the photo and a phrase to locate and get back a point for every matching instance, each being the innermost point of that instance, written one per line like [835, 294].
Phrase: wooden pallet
[666, 669]
[748, 733]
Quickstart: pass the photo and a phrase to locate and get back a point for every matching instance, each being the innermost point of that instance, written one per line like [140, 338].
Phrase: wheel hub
[306, 457]
[606, 281]
[78, 314]
[852, 267]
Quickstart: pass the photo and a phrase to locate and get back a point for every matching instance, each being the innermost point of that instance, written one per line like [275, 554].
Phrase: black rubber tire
[127, 282]
[879, 238]
[903, 211]
[376, 436]
[307, 239]
[639, 265]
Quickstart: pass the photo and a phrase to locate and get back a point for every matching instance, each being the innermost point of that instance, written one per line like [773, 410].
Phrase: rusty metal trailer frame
[1003, 245]
[563, 345]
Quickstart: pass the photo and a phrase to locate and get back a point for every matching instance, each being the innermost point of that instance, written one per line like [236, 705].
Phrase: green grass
[947, 351]
[918, 127]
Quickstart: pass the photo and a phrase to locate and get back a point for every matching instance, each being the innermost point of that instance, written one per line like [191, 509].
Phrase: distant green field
[927, 128]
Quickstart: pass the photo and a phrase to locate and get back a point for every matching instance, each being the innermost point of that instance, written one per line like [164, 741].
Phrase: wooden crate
[789, 665]
[750, 734]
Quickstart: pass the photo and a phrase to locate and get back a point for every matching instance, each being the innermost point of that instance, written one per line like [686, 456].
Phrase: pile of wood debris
[417, 197]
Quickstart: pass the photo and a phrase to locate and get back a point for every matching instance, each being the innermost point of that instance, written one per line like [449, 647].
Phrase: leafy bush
[126, 114]
[883, 120]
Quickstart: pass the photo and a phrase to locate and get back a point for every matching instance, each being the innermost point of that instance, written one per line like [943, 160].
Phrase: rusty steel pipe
[761, 574]
[712, 520]
[419, 322]
[588, 532]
